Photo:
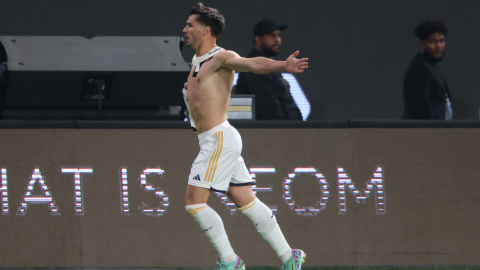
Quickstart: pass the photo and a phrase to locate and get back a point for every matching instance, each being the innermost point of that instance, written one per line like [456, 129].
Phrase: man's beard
[432, 59]
[190, 44]
[268, 51]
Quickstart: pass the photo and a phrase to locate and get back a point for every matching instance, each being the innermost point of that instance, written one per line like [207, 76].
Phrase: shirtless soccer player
[219, 165]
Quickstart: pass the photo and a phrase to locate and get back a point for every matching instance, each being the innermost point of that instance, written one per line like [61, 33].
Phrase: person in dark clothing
[425, 91]
[273, 100]
[3, 60]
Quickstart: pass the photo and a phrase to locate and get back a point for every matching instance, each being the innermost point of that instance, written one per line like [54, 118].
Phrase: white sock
[212, 225]
[267, 226]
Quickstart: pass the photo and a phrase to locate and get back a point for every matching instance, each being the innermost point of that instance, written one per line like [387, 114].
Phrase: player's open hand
[294, 65]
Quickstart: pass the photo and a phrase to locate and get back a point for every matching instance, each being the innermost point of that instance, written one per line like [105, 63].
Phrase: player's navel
[198, 80]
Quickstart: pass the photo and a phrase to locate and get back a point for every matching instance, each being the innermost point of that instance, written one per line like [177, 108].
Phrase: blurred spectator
[425, 91]
[2, 69]
[273, 100]
[3, 60]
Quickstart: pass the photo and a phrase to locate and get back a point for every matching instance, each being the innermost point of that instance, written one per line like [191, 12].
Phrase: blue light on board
[297, 94]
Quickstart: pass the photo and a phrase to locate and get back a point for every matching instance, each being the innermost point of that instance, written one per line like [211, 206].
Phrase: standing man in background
[425, 91]
[3, 60]
[3, 66]
[273, 100]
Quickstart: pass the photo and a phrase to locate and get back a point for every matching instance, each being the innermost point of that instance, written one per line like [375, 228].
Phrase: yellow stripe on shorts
[218, 156]
[195, 211]
[211, 162]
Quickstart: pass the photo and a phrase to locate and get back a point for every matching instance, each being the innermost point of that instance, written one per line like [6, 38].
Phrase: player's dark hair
[429, 27]
[209, 17]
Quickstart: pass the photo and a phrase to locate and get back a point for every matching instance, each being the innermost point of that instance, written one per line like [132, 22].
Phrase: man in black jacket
[273, 100]
[3, 60]
[425, 91]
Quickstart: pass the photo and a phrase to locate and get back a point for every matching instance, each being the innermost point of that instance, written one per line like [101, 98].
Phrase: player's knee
[196, 195]
[194, 209]
[189, 199]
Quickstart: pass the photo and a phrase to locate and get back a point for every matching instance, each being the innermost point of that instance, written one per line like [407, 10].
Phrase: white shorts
[219, 163]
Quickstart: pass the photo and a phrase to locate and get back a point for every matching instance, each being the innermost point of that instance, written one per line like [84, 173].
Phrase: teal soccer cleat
[295, 262]
[238, 265]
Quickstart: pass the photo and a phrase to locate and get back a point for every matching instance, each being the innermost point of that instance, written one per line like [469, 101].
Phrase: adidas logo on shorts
[197, 177]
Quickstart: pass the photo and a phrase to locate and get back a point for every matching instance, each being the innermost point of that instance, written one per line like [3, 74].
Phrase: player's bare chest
[200, 75]
[203, 69]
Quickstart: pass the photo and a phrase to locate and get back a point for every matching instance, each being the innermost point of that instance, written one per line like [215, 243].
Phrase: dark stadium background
[358, 50]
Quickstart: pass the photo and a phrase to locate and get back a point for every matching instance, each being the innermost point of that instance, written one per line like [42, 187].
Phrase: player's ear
[422, 44]
[257, 39]
[206, 30]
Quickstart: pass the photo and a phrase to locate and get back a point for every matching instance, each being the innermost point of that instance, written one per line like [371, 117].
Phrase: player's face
[193, 31]
[434, 45]
[271, 43]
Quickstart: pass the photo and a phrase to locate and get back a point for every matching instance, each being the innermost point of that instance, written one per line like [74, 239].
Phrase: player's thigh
[241, 195]
[196, 195]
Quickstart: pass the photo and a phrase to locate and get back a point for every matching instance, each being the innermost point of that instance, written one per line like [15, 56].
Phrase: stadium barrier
[111, 194]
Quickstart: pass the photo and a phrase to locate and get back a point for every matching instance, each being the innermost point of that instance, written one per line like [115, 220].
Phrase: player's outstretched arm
[262, 65]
